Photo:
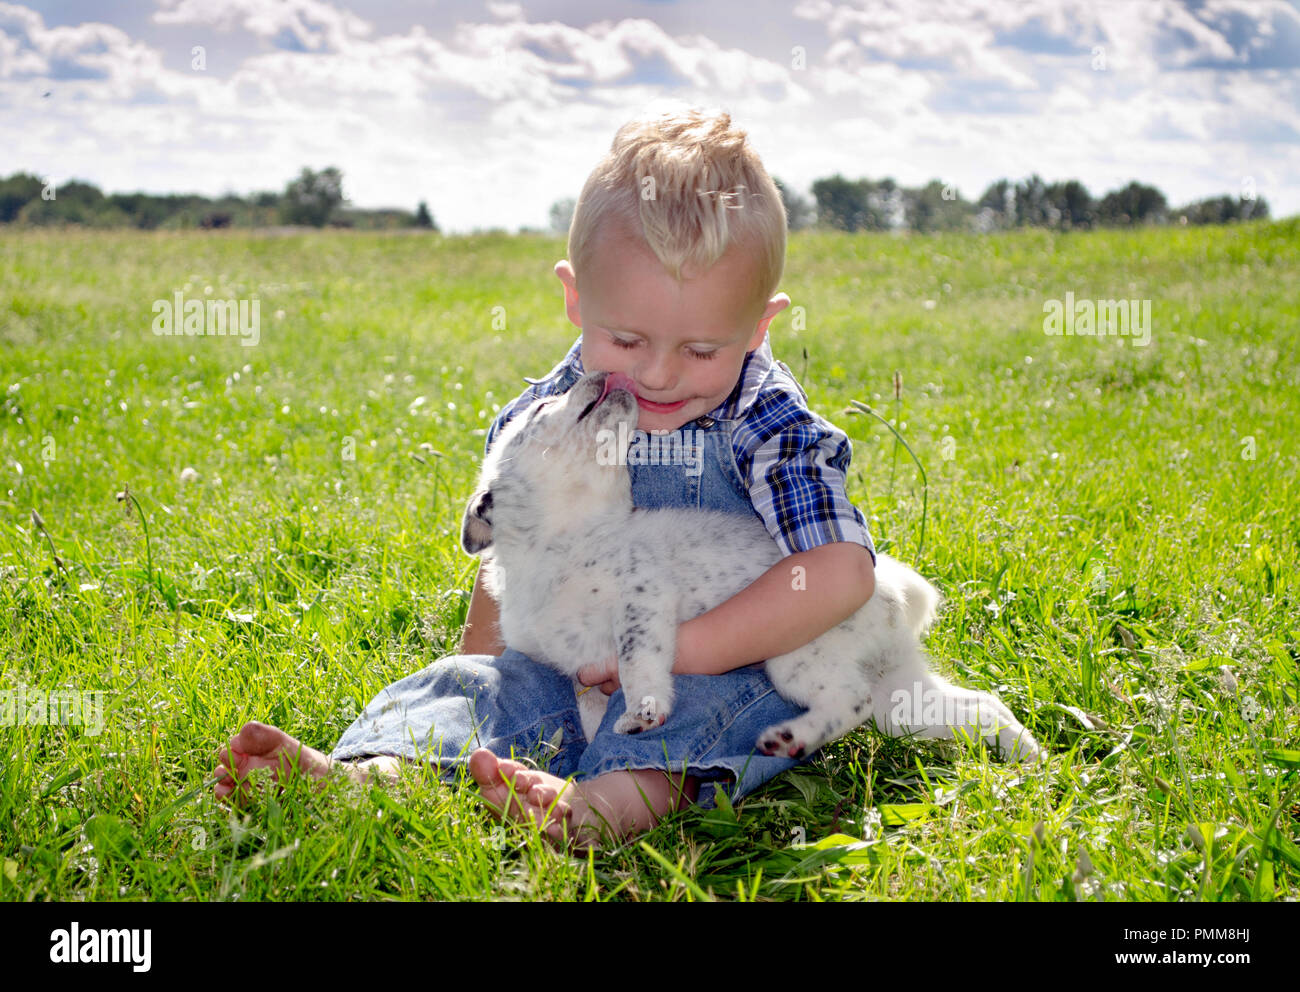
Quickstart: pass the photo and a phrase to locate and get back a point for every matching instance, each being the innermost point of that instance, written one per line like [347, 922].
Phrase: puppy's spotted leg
[647, 648]
[837, 704]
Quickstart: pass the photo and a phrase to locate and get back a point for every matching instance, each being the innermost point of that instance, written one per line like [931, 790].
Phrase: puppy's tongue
[617, 380]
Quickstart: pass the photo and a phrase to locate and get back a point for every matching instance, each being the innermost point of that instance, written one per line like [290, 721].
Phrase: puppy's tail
[920, 599]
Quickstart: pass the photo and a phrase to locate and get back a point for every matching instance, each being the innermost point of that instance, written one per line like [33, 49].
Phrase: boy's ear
[567, 276]
[476, 532]
[774, 306]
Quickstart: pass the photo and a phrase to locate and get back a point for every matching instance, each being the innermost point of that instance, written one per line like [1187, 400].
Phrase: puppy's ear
[476, 532]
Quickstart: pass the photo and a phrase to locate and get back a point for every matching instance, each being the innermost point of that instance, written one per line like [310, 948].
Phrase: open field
[1114, 527]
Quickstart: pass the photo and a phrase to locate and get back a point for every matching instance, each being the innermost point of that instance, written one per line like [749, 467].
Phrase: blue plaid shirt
[794, 462]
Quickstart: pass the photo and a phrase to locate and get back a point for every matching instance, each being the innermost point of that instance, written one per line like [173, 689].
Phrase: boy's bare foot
[517, 792]
[259, 745]
[578, 815]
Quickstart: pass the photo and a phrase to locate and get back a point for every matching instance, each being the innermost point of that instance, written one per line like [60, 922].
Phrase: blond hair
[691, 184]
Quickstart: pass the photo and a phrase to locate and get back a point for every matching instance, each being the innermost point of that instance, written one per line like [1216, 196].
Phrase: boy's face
[682, 344]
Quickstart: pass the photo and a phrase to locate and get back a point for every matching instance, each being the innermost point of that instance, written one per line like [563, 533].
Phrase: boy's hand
[604, 676]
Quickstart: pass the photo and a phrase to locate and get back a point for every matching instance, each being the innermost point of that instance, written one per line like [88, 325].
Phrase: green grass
[1114, 529]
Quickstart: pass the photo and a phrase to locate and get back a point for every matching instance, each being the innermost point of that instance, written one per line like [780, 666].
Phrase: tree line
[880, 205]
[316, 199]
[313, 199]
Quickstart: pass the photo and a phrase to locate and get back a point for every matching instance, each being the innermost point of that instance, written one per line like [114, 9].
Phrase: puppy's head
[556, 463]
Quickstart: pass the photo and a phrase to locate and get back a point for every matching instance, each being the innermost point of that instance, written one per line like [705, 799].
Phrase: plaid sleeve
[559, 380]
[797, 469]
[521, 402]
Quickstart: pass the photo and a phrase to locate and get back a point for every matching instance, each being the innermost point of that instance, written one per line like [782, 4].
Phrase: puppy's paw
[781, 740]
[647, 715]
[1024, 750]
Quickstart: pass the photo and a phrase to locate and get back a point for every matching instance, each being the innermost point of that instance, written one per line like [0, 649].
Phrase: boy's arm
[481, 634]
[795, 601]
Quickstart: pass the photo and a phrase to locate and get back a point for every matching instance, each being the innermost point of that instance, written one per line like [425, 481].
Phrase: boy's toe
[484, 766]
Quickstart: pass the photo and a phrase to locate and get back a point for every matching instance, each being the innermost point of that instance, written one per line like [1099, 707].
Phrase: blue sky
[491, 111]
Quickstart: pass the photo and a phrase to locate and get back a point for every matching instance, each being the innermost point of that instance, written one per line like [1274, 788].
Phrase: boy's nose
[657, 373]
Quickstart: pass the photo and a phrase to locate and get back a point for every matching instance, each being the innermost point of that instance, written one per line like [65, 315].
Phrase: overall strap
[691, 467]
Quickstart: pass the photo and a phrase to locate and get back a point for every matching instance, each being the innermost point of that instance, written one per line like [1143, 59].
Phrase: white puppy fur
[581, 577]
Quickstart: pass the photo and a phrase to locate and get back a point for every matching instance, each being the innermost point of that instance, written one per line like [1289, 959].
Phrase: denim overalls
[511, 702]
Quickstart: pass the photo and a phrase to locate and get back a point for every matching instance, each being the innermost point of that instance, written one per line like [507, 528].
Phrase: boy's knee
[463, 675]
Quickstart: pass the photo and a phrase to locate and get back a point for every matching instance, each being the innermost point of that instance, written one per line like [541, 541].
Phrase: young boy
[675, 252]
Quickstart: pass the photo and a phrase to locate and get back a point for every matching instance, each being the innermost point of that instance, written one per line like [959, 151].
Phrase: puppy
[580, 576]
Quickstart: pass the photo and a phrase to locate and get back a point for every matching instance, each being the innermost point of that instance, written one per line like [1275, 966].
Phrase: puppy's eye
[536, 409]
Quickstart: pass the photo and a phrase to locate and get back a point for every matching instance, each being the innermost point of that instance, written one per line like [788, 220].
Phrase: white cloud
[312, 24]
[511, 113]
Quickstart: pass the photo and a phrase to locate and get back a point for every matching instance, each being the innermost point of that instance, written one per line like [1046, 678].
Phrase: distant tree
[799, 212]
[148, 212]
[840, 203]
[1255, 208]
[423, 218]
[886, 201]
[1073, 203]
[16, 192]
[313, 197]
[74, 203]
[81, 194]
[1223, 210]
[997, 205]
[935, 207]
[1034, 208]
[562, 215]
[1134, 204]
[852, 205]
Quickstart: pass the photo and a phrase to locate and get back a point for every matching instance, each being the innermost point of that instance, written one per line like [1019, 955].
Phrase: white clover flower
[1228, 680]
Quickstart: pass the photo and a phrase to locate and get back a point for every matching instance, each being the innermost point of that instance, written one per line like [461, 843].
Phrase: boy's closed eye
[693, 352]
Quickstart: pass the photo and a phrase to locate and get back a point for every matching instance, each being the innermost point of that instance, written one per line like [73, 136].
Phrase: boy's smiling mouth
[654, 407]
[617, 380]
